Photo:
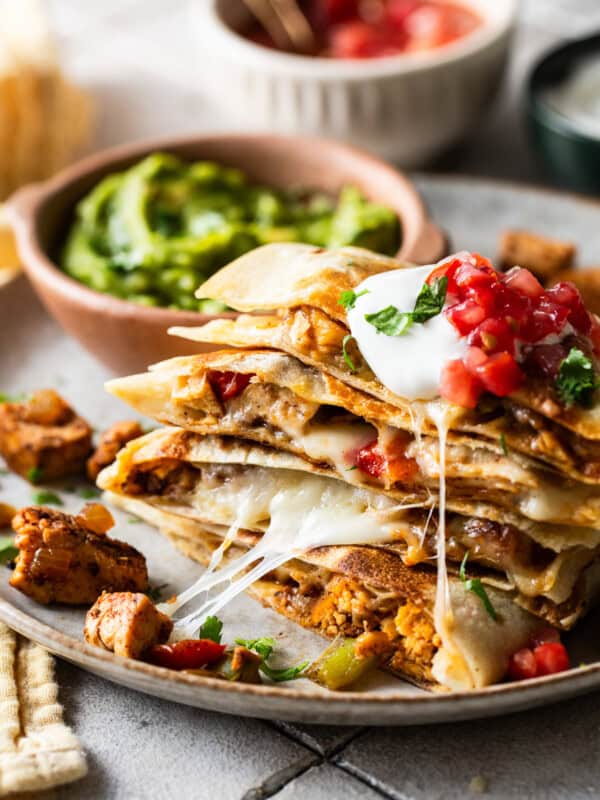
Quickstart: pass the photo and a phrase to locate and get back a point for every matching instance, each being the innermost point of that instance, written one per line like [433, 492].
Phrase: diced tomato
[567, 294]
[446, 269]
[460, 386]
[186, 654]
[371, 460]
[474, 358]
[551, 657]
[465, 316]
[493, 336]
[227, 385]
[547, 319]
[391, 463]
[500, 374]
[355, 39]
[543, 636]
[522, 665]
[397, 11]
[524, 282]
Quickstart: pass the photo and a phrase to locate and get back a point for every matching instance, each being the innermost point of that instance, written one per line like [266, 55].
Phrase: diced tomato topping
[567, 294]
[551, 657]
[523, 282]
[227, 385]
[371, 460]
[459, 386]
[500, 374]
[522, 665]
[509, 317]
[494, 335]
[186, 654]
[466, 316]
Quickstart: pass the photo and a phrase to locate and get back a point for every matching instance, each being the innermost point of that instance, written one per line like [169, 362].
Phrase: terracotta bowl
[125, 336]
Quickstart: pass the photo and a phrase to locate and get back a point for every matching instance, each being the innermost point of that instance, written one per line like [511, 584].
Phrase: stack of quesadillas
[296, 466]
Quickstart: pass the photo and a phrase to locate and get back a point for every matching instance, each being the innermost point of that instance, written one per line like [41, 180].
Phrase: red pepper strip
[186, 654]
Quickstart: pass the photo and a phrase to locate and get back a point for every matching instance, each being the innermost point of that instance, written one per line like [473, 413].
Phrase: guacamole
[154, 233]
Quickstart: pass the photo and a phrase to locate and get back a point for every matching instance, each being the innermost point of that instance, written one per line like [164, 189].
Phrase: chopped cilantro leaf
[211, 629]
[347, 359]
[351, 468]
[45, 498]
[430, 302]
[8, 551]
[155, 592]
[88, 492]
[576, 380]
[503, 444]
[35, 475]
[349, 298]
[264, 647]
[474, 585]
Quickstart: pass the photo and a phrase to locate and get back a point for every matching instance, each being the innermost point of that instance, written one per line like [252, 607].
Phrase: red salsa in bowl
[362, 29]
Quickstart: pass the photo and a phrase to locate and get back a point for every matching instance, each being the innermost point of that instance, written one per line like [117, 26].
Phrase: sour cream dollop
[409, 365]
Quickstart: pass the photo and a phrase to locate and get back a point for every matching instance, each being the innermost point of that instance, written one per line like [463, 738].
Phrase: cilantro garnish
[35, 475]
[264, 648]
[45, 498]
[211, 629]
[349, 298]
[430, 302]
[8, 551]
[503, 444]
[155, 592]
[474, 585]
[88, 492]
[347, 359]
[576, 380]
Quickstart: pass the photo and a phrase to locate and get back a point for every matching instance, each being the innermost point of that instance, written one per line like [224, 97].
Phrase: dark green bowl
[571, 155]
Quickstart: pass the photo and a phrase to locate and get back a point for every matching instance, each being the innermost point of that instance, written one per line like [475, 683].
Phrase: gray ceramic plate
[35, 353]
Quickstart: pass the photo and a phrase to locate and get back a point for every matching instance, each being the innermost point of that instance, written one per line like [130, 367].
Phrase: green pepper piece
[338, 667]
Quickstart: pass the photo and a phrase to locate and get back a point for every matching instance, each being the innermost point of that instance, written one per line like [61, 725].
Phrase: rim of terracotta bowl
[499, 18]
[422, 240]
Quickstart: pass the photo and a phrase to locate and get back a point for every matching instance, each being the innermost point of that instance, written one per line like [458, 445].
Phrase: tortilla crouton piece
[587, 281]
[539, 254]
[111, 441]
[68, 559]
[128, 624]
[43, 438]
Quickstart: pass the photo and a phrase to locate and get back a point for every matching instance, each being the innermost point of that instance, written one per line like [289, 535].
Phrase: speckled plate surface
[35, 353]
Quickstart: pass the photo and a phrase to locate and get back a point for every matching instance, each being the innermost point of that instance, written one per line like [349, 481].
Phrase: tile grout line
[279, 780]
[369, 781]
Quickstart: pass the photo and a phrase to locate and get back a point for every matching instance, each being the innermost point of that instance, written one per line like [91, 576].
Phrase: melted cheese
[336, 443]
[304, 511]
[408, 365]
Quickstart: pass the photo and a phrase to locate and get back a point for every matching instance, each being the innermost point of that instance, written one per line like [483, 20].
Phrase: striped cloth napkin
[37, 749]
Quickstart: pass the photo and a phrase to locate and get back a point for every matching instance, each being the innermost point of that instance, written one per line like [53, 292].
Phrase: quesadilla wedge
[244, 486]
[275, 399]
[304, 286]
[349, 589]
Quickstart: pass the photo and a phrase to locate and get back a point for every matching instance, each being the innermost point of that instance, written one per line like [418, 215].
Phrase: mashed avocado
[154, 233]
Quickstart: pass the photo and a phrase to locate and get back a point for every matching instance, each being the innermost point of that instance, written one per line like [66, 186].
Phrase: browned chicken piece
[587, 281]
[68, 559]
[43, 438]
[127, 623]
[111, 441]
[7, 512]
[543, 256]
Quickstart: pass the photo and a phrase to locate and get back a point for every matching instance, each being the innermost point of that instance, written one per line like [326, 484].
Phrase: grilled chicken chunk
[43, 438]
[68, 559]
[127, 623]
[111, 441]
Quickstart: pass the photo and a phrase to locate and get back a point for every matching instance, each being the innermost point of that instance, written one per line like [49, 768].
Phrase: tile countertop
[135, 56]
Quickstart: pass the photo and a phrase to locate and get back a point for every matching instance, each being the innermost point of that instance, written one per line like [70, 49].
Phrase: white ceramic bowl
[404, 108]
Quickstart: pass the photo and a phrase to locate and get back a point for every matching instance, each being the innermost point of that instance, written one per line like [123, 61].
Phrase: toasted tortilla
[477, 654]
[308, 282]
[208, 478]
[281, 406]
